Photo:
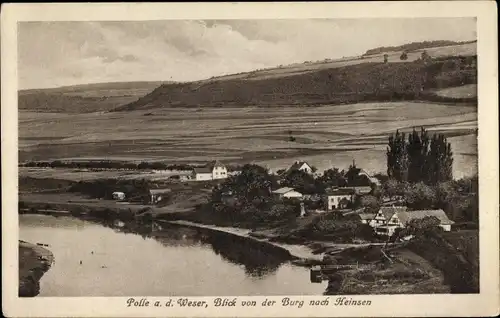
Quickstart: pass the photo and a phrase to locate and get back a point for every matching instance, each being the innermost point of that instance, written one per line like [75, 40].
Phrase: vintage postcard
[250, 159]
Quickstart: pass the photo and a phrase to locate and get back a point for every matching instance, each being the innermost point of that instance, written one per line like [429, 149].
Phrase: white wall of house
[219, 172]
[446, 227]
[203, 176]
[379, 220]
[333, 201]
[306, 168]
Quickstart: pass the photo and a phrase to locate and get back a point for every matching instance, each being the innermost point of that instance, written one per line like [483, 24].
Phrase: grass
[409, 274]
[459, 92]
[32, 268]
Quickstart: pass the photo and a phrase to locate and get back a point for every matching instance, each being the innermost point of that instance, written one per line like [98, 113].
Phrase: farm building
[338, 198]
[212, 171]
[302, 166]
[287, 193]
[400, 218]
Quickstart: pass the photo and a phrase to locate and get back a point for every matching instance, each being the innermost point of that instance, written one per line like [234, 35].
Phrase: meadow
[325, 136]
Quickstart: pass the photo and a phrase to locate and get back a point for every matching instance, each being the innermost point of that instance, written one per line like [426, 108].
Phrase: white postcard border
[486, 303]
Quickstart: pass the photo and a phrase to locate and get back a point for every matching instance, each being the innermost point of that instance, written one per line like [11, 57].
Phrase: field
[325, 135]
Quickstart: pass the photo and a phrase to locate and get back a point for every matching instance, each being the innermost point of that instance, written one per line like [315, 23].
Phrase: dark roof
[388, 211]
[406, 216]
[203, 170]
[214, 163]
[340, 191]
[208, 168]
[366, 216]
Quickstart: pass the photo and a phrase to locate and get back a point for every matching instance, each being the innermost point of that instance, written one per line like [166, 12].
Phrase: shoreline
[34, 262]
[300, 254]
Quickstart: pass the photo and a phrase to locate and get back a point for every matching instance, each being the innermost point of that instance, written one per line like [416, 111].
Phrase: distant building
[338, 198]
[384, 214]
[157, 195]
[302, 166]
[213, 171]
[287, 193]
[400, 217]
[118, 196]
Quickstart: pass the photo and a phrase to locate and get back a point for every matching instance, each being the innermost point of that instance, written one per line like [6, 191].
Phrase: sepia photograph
[248, 157]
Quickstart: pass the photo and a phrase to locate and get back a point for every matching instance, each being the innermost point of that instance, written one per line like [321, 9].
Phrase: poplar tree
[420, 158]
[417, 149]
[397, 159]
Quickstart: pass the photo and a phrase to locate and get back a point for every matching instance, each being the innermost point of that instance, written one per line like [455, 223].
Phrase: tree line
[106, 164]
[418, 157]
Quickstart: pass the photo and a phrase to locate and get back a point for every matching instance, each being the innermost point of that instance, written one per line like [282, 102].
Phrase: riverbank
[299, 253]
[34, 262]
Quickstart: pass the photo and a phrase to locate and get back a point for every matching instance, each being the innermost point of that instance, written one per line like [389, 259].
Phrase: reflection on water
[177, 261]
[256, 261]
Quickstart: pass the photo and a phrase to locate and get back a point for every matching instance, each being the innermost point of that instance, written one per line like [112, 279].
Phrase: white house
[338, 198]
[287, 193]
[302, 166]
[401, 217]
[118, 195]
[212, 171]
[384, 214]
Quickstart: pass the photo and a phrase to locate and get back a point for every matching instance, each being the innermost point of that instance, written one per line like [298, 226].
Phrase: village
[393, 213]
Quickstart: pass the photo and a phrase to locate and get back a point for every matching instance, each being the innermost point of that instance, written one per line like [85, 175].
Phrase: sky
[52, 54]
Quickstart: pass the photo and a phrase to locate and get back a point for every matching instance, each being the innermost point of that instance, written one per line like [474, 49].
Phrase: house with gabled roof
[212, 171]
[302, 166]
[398, 217]
[287, 193]
[384, 214]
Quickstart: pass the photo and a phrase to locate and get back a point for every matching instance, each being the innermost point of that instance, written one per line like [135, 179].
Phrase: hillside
[370, 81]
[83, 98]
[414, 46]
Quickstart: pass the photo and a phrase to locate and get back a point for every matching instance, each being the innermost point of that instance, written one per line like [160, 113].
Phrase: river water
[177, 262]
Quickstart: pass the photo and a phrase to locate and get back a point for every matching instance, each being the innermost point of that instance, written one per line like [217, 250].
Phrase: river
[177, 262]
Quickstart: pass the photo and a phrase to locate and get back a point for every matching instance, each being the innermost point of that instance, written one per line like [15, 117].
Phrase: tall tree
[397, 158]
[440, 160]
[333, 178]
[417, 149]
[420, 158]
